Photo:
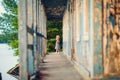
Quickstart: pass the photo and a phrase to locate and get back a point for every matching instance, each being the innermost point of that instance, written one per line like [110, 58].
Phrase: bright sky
[1, 7]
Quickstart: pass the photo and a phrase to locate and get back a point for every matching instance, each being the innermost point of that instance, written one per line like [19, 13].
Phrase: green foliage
[3, 38]
[14, 45]
[9, 24]
[53, 28]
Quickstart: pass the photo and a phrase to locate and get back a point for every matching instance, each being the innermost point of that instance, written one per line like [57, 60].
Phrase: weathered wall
[32, 28]
[94, 28]
[67, 32]
[83, 45]
[43, 28]
[98, 67]
[77, 41]
[111, 37]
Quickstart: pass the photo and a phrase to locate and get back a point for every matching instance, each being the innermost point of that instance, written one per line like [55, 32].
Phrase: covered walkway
[91, 38]
[58, 67]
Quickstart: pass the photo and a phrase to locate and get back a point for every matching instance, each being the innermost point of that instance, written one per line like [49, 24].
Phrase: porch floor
[58, 67]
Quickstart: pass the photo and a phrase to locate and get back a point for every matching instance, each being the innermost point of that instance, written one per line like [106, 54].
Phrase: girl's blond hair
[57, 37]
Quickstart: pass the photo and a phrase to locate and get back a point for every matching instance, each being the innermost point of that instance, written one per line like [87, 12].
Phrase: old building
[91, 34]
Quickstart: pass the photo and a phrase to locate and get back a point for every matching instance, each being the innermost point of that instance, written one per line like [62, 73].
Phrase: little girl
[57, 45]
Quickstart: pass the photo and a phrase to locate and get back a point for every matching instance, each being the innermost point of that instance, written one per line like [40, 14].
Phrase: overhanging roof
[54, 9]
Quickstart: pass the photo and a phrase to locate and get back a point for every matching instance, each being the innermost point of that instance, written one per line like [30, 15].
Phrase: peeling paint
[98, 68]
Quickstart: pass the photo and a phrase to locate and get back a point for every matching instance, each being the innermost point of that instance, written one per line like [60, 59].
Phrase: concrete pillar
[77, 7]
[70, 29]
[23, 40]
[97, 38]
[104, 43]
[42, 31]
[85, 18]
[75, 26]
[73, 57]
[65, 32]
[40, 24]
[91, 16]
[37, 37]
[39, 30]
[30, 36]
[34, 34]
[29, 17]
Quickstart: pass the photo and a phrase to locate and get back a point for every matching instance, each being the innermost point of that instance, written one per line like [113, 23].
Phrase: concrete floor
[58, 67]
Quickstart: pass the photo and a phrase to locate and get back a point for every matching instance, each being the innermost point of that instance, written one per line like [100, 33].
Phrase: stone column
[38, 32]
[104, 43]
[22, 8]
[72, 15]
[30, 37]
[34, 34]
[91, 16]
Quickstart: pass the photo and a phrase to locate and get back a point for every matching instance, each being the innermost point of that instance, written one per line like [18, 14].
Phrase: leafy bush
[53, 28]
[9, 24]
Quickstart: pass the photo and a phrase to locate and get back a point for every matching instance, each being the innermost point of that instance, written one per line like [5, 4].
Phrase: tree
[53, 28]
[9, 23]
[3, 38]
